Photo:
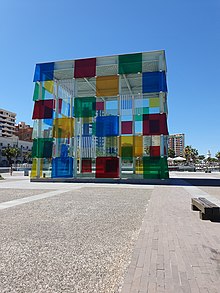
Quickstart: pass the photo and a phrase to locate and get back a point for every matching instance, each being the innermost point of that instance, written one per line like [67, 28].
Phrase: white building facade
[23, 146]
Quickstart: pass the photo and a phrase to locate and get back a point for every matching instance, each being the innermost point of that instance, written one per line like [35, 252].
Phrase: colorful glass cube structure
[103, 117]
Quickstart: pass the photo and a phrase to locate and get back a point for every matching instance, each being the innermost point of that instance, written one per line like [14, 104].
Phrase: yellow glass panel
[87, 119]
[34, 167]
[63, 127]
[125, 141]
[48, 85]
[107, 86]
[138, 146]
[139, 166]
[154, 102]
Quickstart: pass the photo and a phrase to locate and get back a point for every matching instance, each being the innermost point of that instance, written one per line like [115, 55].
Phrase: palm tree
[218, 157]
[10, 153]
[171, 153]
[191, 154]
[201, 157]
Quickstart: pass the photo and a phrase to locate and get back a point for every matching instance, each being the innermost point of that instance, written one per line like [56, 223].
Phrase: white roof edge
[71, 60]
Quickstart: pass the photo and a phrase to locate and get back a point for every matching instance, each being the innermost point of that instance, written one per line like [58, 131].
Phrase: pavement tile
[181, 251]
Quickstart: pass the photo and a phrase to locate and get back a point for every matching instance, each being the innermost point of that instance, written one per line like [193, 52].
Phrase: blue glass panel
[111, 105]
[64, 150]
[126, 112]
[154, 82]
[126, 102]
[65, 110]
[44, 71]
[138, 127]
[48, 122]
[155, 110]
[86, 129]
[62, 167]
[126, 118]
[107, 126]
[145, 103]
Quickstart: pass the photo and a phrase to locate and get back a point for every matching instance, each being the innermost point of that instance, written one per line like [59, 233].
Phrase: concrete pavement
[59, 237]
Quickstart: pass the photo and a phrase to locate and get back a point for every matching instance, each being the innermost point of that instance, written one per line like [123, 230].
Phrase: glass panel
[107, 126]
[107, 167]
[85, 68]
[130, 63]
[107, 86]
[62, 167]
[85, 107]
[126, 127]
[44, 72]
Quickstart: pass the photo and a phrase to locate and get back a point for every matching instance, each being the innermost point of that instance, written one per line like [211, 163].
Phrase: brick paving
[175, 251]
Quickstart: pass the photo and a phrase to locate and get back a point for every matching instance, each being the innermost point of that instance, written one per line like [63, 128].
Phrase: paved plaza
[75, 237]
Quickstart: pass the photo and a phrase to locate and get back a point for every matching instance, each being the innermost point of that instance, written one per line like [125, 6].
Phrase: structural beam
[128, 84]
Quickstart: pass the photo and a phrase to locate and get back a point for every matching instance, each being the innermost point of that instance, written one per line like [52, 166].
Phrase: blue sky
[49, 30]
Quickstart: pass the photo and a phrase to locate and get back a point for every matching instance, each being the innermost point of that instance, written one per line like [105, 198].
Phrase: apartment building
[7, 123]
[176, 142]
[23, 131]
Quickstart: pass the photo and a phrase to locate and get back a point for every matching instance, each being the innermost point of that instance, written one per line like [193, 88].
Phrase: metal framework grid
[103, 117]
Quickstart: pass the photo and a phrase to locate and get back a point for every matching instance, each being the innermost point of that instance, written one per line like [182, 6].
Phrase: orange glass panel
[107, 86]
[138, 146]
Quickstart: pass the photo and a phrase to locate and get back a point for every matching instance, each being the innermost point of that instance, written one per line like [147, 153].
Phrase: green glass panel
[138, 117]
[155, 167]
[42, 148]
[85, 107]
[130, 63]
[127, 153]
[37, 93]
[146, 110]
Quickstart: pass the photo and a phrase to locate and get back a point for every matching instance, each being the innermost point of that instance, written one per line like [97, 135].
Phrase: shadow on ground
[170, 181]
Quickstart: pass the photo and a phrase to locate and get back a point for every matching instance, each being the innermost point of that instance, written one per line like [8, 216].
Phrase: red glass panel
[99, 106]
[126, 127]
[85, 68]
[107, 167]
[43, 109]
[86, 165]
[59, 105]
[155, 151]
[155, 124]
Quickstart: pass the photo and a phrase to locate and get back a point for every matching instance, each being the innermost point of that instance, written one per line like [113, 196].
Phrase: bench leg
[194, 208]
[204, 216]
[215, 217]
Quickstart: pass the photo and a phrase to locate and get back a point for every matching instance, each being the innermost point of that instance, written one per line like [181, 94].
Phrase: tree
[191, 154]
[10, 153]
[171, 153]
[217, 155]
[27, 156]
[201, 157]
